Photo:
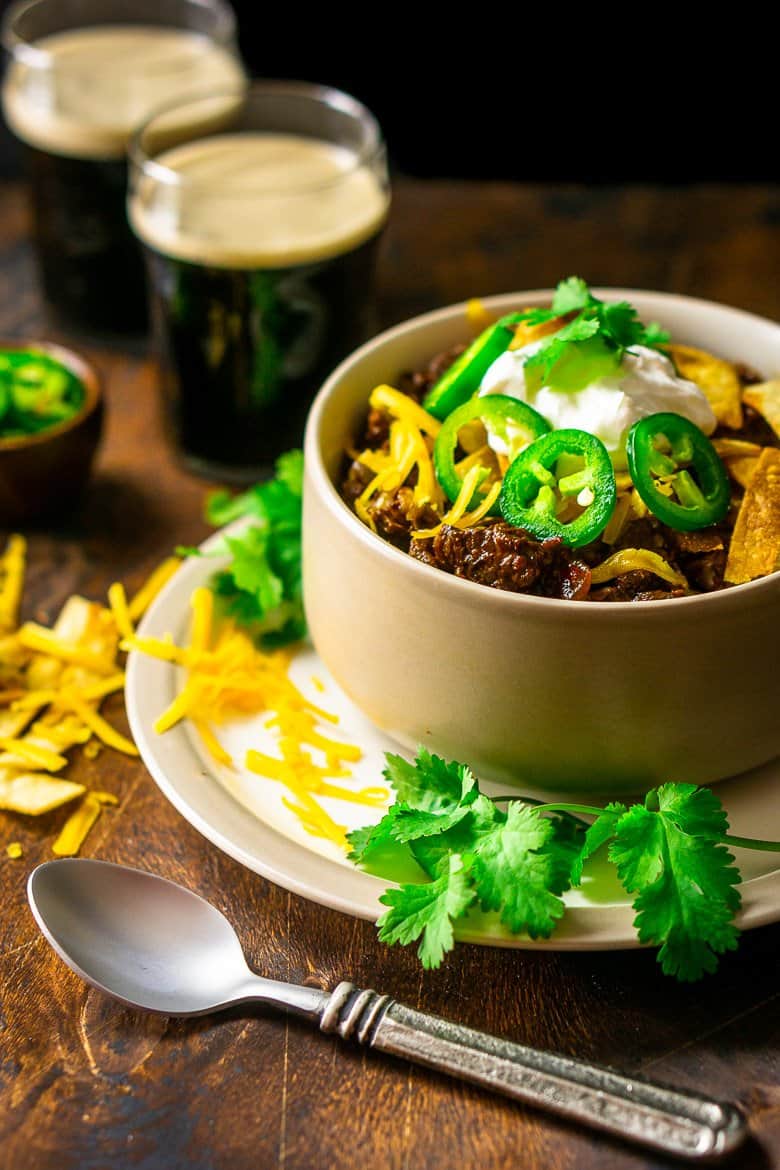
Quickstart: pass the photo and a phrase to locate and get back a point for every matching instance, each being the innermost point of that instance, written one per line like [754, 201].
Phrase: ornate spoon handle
[664, 1119]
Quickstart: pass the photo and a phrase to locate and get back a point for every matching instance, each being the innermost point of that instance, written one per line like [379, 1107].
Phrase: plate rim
[315, 877]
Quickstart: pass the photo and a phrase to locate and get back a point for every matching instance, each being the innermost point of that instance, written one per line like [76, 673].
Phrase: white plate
[244, 816]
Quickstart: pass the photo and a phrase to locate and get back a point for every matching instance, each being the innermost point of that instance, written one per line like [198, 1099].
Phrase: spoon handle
[652, 1115]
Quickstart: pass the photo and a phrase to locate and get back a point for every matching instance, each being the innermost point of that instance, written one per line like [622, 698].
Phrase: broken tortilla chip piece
[35, 794]
[718, 379]
[742, 469]
[765, 398]
[755, 544]
[732, 448]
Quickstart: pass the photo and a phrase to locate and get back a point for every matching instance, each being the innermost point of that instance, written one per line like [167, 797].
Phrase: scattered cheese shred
[38, 638]
[151, 587]
[74, 831]
[30, 753]
[101, 727]
[118, 602]
[53, 681]
[13, 850]
[12, 566]
[104, 797]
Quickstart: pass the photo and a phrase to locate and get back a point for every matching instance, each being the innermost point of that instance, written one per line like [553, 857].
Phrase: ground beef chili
[501, 556]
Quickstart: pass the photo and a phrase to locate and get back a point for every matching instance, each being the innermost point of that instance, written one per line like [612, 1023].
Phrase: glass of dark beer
[260, 215]
[82, 75]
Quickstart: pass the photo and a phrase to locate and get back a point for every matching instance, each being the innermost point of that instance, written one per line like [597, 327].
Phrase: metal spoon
[154, 945]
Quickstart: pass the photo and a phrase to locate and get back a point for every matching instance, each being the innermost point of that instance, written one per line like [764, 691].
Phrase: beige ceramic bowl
[581, 696]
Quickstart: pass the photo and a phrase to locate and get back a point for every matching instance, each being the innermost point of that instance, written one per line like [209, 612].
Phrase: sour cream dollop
[646, 384]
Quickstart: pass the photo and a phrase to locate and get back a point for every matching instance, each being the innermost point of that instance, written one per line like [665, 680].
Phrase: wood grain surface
[85, 1084]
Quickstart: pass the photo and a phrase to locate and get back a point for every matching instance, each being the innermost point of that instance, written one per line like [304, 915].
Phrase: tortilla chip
[755, 544]
[34, 794]
[733, 448]
[765, 398]
[742, 469]
[718, 379]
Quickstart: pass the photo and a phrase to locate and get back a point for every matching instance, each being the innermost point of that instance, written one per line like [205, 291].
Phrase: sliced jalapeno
[463, 378]
[535, 489]
[677, 472]
[513, 422]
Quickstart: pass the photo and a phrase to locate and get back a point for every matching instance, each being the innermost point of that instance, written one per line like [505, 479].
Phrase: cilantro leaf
[367, 841]
[597, 834]
[571, 294]
[251, 570]
[431, 851]
[289, 471]
[430, 783]
[428, 910]
[513, 872]
[669, 853]
[261, 587]
[655, 336]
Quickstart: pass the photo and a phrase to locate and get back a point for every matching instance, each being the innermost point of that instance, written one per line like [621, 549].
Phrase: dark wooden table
[88, 1085]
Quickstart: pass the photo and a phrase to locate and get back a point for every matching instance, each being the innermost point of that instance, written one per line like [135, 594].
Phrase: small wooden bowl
[42, 476]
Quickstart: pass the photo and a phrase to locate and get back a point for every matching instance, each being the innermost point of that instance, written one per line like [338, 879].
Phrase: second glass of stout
[83, 75]
[260, 214]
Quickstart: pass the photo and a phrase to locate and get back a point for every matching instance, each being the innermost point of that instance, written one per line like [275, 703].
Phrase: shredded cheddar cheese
[118, 602]
[31, 753]
[53, 682]
[457, 516]
[226, 678]
[151, 587]
[403, 407]
[628, 560]
[12, 566]
[478, 316]
[38, 638]
[74, 831]
[13, 850]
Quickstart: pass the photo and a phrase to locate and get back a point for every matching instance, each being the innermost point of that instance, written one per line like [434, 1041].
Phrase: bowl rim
[74, 361]
[723, 600]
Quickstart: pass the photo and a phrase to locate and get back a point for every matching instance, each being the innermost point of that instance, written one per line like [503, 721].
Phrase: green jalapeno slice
[536, 489]
[677, 472]
[463, 378]
[513, 422]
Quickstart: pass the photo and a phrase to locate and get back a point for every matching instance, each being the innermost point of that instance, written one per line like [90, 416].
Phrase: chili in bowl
[541, 679]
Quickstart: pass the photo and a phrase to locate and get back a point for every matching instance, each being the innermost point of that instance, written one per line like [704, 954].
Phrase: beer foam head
[257, 200]
[82, 93]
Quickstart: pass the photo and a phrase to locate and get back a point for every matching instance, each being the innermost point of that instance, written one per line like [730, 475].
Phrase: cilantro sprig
[261, 586]
[670, 852]
[589, 346]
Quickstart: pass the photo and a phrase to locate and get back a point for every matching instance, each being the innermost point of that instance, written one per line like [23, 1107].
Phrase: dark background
[596, 95]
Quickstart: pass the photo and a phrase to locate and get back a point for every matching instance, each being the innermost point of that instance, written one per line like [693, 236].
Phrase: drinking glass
[82, 75]
[260, 213]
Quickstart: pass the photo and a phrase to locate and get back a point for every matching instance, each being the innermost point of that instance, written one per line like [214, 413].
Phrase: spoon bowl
[144, 940]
